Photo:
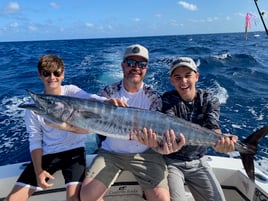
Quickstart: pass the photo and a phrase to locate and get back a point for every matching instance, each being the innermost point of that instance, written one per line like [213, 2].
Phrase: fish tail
[252, 142]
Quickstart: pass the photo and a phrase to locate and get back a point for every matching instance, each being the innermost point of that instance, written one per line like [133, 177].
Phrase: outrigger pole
[261, 16]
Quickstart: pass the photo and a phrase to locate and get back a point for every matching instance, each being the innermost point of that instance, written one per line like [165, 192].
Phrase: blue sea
[234, 69]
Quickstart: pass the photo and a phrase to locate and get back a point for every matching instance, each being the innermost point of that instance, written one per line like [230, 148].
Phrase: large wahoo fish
[118, 122]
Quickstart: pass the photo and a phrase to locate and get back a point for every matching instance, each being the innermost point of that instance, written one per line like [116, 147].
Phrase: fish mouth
[32, 94]
[36, 106]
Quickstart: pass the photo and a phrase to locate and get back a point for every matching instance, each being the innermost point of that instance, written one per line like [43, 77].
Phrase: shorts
[149, 168]
[72, 163]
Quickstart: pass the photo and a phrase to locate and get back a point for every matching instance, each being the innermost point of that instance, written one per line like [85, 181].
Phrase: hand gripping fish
[119, 122]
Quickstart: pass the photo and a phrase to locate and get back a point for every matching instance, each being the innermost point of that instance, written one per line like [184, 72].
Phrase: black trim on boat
[132, 183]
[54, 190]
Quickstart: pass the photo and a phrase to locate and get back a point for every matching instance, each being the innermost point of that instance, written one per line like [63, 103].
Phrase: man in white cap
[189, 165]
[116, 155]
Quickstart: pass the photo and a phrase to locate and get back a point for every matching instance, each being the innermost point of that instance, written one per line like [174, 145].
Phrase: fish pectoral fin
[89, 115]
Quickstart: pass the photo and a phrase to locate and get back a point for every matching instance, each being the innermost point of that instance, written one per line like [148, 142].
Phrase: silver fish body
[119, 122]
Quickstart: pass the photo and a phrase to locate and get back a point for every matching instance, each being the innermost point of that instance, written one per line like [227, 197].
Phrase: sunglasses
[48, 73]
[133, 63]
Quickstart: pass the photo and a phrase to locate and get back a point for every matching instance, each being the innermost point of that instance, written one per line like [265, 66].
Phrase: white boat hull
[230, 173]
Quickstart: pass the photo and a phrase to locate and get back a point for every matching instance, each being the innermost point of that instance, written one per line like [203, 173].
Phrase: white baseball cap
[183, 61]
[136, 50]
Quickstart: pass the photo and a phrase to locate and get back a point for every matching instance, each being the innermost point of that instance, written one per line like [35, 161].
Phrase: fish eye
[50, 102]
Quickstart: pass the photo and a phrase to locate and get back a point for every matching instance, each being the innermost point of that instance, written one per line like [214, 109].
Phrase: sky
[31, 20]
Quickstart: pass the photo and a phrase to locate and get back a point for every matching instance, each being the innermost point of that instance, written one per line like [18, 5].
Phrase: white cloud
[14, 25]
[32, 28]
[187, 5]
[228, 18]
[174, 23]
[212, 19]
[240, 14]
[201, 20]
[89, 25]
[54, 5]
[136, 19]
[12, 7]
[158, 15]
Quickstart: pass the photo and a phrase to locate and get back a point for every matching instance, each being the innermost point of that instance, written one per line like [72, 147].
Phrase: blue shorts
[72, 163]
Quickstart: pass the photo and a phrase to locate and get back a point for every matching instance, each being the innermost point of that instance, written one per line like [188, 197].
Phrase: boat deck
[230, 173]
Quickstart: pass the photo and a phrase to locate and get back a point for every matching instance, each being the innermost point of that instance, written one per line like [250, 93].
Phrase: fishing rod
[261, 14]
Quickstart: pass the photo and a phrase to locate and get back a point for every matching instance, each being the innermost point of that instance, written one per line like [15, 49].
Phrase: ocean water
[234, 69]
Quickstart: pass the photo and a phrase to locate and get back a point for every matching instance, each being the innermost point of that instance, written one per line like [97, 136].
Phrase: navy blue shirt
[203, 110]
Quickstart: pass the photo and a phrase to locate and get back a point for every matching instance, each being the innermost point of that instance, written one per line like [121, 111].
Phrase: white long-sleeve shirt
[50, 139]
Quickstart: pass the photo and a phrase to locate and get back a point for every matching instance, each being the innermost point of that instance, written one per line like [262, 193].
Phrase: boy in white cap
[189, 165]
